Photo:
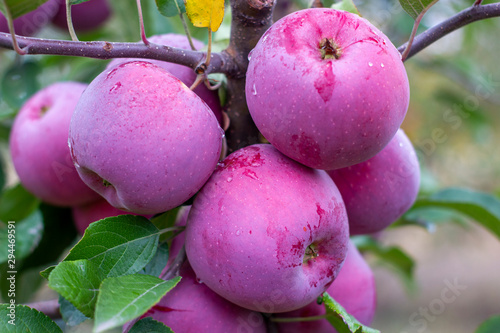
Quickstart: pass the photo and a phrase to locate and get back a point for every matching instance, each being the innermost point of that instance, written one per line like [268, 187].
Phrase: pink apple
[86, 16]
[326, 88]
[183, 73]
[39, 146]
[94, 211]
[266, 232]
[142, 139]
[191, 307]
[30, 23]
[354, 289]
[377, 192]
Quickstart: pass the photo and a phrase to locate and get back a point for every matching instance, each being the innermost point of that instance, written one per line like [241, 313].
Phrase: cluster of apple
[268, 231]
[86, 16]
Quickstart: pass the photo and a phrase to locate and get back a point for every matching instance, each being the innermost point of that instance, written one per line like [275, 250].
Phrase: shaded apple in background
[86, 16]
[39, 146]
[378, 191]
[341, 81]
[183, 73]
[30, 23]
[354, 288]
[144, 152]
[179, 240]
[94, 211]
[266, 232]
[191, 307]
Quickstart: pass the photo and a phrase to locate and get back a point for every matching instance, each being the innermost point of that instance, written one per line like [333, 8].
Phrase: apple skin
[250, 225]
[354, 288]
[191, 307]
[86, 16]
[94, 211]
[143, 151]
[183, 73]
[326, 113]
[30, 23]
[378, 191]
[39, 146]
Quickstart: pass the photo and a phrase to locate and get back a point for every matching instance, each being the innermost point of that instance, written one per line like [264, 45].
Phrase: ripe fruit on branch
[193, 307]
[183, 73]
[266, 232]
[39, 146]
[30, 23]
[378, 191]
[86, 16]
[326, 88]
[354, 289]
[142, 139]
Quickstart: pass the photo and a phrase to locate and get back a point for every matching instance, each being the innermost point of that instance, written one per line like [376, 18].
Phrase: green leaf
[428, 217]
[25, 234]
[2, 165]
[71, 315]
[76, 2]
[118, 245]
[159, 261]
[492, 325]
[19, 83]
[127, 297]
[415, 7]
[346, 5]
[78, 282]
[20, 7]
[149, 325]
[392, 256]
[482, 207]
[26, 320]
[341, 320]
[16, 204]
[171, 8]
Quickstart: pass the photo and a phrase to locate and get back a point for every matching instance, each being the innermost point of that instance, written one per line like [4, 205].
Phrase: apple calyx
[106, 183]
[329, 49]
[311, 253]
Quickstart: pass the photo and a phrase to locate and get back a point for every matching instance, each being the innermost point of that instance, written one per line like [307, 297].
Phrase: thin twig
[10, 23]
[69, 20]
[412, 35]
[188, 33]
[141, 23]
[174, 268]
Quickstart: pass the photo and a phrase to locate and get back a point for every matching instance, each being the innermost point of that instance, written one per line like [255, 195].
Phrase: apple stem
[181, 228]
[188, 33]
[141, 23]
[10, 23]
[69, 21]
[413, 34]
[478, 2]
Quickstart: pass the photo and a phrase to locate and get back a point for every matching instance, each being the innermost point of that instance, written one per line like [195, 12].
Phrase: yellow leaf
[205, 13]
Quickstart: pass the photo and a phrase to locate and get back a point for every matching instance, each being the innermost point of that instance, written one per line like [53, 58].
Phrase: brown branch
[49, 308]
[467, 16]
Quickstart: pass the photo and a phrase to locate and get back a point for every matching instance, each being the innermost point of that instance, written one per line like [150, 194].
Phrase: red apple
[30, 23]
[39, 146]
[377, 192]
[326, 88]
[354, 289]
[86, 16]
[266, 232]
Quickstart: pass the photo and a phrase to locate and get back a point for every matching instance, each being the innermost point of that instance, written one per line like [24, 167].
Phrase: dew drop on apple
[229, 179]
[199, 281]
[254, 90]
[238, 232]
[382, 65]
[370, 64]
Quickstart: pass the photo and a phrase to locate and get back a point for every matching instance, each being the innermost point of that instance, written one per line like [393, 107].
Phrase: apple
[183, 73]
[354, 289]
[30, 23]
[39, 146]
[266, 232]
[378, 191]
[86, 16]
[142, 139]
[179, 240]
[94, 211]
[191, 307]
[326, 88]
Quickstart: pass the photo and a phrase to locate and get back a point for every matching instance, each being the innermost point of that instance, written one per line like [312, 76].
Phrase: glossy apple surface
[354, 289]
[378, 191]
[326, 88]
[144, 151]
[183, 73]
[39, 146]
[86, 16]
[30, 23]
[266, 232]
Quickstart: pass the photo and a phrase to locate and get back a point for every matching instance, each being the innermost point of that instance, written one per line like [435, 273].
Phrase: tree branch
[219, 63]
[467, 16]
[49, 308]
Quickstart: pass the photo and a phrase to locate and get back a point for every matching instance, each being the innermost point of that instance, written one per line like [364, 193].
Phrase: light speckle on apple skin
[354, 288]
[378, 191]
[140, 129]
[39, 146]
[326, 114]
[183, 73]
[191, 307]
[246, 238]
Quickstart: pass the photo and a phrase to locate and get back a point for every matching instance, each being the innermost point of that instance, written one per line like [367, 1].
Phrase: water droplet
[238, 233]
[370, 64]
[229, 179]
[382, 65]
[199, 280]
[401, 144]
[254, 90]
